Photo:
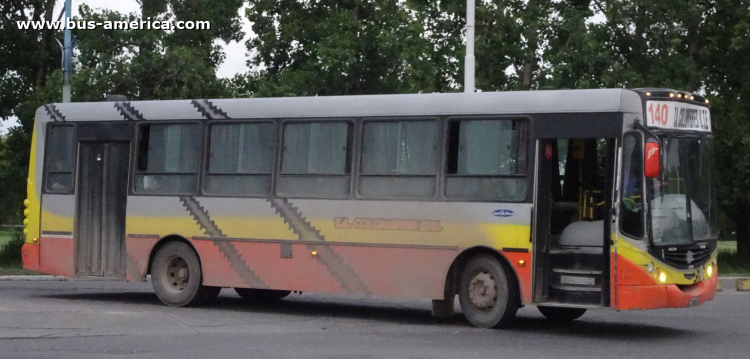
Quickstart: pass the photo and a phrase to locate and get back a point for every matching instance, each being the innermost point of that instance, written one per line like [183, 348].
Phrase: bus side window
[399, 159]
[60, 165]
[315, 160]
[631, 204]
[240, 159]
[168, 159]
[485, 160]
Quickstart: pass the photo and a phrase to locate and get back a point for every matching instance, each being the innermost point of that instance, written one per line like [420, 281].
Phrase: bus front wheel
[487, 294]
[177, 278]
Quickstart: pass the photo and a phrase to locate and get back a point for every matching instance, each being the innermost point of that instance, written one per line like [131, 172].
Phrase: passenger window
[168, 159]
[631, 205]
[399, 159]
[240, 159]
[486, 160]
[315, 160]
[60, 165]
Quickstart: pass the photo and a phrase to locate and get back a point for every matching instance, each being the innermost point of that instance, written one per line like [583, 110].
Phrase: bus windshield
[687, 177]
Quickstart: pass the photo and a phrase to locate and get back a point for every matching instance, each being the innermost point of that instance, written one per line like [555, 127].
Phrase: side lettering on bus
[387, 224]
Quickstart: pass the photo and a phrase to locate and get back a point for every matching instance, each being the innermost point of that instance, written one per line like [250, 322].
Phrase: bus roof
[509, 102]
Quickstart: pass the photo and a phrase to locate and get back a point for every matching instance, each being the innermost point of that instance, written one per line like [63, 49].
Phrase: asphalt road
[98, 319]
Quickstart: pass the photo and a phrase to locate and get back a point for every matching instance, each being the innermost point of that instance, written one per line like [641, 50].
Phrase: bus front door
[571, 234]
[100, 214]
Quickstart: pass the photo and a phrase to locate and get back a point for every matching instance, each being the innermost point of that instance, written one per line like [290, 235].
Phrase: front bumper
[30, 256]
[665, 296]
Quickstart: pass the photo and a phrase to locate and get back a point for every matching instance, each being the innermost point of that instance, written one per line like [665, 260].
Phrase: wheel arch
[167, 239]
[454, 272]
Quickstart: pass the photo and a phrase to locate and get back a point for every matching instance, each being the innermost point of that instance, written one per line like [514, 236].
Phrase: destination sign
[672, 115]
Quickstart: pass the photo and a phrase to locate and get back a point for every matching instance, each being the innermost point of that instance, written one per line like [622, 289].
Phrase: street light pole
[469, 63]
[67, 55]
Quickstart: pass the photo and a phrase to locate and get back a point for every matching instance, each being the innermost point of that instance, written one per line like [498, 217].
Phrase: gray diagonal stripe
[226, 247]
[307, 232]
[54, 113]
[129, 112]
[209, 110]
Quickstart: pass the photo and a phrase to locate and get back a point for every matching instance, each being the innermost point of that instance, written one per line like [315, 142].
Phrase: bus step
[576, 288]
[569, 305]
[577, 250]
[577, 271]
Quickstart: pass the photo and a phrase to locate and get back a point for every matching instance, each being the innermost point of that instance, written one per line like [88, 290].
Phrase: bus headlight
[651, 267]
[663, 277]
[710, 271]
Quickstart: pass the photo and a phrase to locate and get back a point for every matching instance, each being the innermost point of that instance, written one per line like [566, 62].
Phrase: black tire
[561, 314]
[261, 295]
[176, 287]
[481, 306]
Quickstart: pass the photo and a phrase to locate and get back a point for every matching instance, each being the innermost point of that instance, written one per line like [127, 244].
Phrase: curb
[732, 284]
[743, 285]
[32, 278]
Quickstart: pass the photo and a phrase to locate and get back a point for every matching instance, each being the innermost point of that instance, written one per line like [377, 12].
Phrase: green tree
[347, 47]
[27, 57]
[156, 64]
[726, 48]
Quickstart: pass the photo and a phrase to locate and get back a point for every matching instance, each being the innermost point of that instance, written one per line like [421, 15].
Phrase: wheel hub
[177, 274]
[483, 292]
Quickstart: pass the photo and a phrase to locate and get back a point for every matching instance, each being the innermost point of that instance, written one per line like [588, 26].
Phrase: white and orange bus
[567, 200]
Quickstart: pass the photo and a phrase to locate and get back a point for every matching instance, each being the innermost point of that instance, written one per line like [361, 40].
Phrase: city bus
[567, 200]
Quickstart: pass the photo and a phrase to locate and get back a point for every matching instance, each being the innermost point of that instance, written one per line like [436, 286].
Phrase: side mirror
[651, 161]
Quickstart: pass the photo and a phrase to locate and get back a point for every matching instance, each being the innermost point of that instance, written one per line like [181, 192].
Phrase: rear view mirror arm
[649, 133]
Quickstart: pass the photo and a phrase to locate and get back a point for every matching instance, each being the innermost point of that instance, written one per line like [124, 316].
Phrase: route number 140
[659, 114]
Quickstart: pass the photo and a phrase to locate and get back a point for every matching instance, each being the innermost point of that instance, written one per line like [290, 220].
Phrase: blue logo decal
[503, 213]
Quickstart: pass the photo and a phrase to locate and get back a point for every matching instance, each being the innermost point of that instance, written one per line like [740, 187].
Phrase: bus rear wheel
[261, 295]
[177, 278]
[560, 314]
[488, 297]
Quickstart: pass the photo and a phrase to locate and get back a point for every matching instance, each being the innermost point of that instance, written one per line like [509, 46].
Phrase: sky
[234, 63]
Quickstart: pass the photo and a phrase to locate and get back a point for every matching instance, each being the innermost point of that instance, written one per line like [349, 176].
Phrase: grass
[5, 237]
[16, 271]
[10, 253]
[728, 246]
[730, 265]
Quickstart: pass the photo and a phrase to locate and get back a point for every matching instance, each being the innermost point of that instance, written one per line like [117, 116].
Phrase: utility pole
[67, 55]
[469, 63]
